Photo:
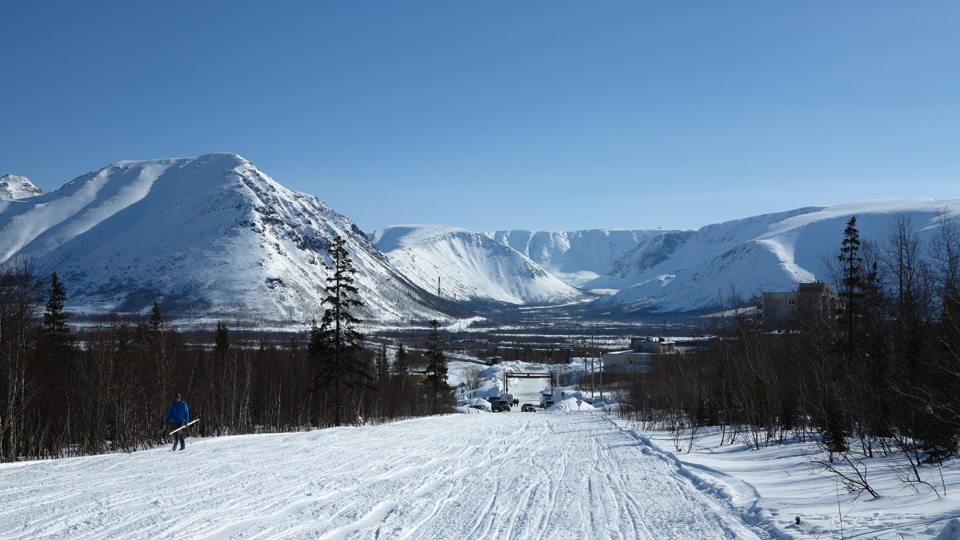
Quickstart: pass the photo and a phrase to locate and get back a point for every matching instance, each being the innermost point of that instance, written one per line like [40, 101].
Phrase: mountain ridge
[471, 266]
[13, 187]
[214, 234]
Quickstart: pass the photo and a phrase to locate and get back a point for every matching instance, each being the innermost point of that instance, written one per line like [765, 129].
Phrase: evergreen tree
[402, 402]
[156, 318]
[401, 364]
[836, 429]
[152, 337]
[54, 317]
[852, 282]
[221, 343]
[382, 370]
[945, 252]
[337, 344]
[436, 369]
[382, 364]
[58, 380]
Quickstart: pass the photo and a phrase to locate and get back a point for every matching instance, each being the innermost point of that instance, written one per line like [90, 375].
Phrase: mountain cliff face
[684, 271]
[471, 267]
[740, 259]
[203, 235]
[17, 187]
[577, 257]
[214, 235]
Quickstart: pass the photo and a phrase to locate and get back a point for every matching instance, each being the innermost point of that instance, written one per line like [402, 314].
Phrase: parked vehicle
[528, 407]
[499, 405]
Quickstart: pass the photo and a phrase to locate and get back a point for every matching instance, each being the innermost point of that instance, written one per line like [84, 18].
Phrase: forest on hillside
[873, 368]
[78, 390]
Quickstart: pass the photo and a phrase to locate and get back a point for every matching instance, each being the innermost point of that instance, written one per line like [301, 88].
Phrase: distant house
[653, 345]
[639, 355]
[783, 311]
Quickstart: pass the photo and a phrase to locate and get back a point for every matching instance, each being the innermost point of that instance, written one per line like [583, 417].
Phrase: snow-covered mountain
[742, 258]
[214, 234]
[577, 257]
[204, 235]
[17, 187]
[471, 267]
[678, 271]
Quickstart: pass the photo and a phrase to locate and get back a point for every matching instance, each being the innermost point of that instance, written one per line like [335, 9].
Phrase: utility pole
[584, 380]
[600, 358]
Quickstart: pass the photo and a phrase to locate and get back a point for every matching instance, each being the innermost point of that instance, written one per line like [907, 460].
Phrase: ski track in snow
[505, 475]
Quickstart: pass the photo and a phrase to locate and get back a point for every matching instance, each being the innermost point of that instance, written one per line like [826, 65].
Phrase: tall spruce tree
[336, 344]
[221, 341]
[382, 366]
[440, 391]
[851, 291]
[400, 376]
[401, 364]
[54, 317]
[852, 283]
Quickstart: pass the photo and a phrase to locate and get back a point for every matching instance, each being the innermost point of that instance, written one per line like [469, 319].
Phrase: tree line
[78, 391]
[873, 369]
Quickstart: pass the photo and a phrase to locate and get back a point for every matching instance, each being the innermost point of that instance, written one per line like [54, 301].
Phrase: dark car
[528, 407]
[499, 405]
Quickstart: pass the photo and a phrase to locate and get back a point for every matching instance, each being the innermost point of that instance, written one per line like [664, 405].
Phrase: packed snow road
[506, 475]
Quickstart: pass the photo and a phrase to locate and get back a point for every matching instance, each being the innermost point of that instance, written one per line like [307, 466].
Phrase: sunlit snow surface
[14, 187]
[664, 271]
[213, 236]
[570, 472]
[213, 233]
[471, 266]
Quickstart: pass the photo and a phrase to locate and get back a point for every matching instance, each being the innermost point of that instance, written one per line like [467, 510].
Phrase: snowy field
[557, 474]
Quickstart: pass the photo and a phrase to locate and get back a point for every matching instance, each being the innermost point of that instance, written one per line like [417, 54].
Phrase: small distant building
[783, 311]
[493, 360]
[638, 357]
[651, 345]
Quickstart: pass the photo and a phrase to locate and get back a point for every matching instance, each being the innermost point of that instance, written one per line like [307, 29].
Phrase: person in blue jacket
[178, 416]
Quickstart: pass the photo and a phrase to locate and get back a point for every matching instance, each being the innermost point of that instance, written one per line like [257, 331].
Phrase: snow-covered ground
[557, 474]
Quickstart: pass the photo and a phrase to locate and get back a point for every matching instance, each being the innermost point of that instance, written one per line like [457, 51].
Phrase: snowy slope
[210, 234]
[17, 187]
[742, 258]
[545, 475]
[676, 271]
[576, 256]
[469, 266]
[484, 476]
[214, 234]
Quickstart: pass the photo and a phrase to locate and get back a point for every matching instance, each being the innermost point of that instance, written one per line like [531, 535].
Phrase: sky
[544, 115]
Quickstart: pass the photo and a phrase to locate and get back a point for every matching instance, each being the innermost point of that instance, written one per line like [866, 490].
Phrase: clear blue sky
[548, 115]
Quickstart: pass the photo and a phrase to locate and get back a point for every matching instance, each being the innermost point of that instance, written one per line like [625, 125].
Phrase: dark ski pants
[178, 436]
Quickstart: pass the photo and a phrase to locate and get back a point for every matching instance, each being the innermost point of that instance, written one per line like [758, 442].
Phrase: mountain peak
[14, 187]
[207, 233]
[225, 158]
[471, 266]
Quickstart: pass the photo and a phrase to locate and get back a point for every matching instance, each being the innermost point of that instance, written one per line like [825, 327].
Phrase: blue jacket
[179, 413]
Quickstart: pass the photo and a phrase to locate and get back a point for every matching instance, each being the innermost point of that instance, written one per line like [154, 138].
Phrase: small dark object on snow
[797, 520]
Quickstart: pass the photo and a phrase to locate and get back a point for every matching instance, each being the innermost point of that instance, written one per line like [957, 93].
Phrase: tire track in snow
[513, 475]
